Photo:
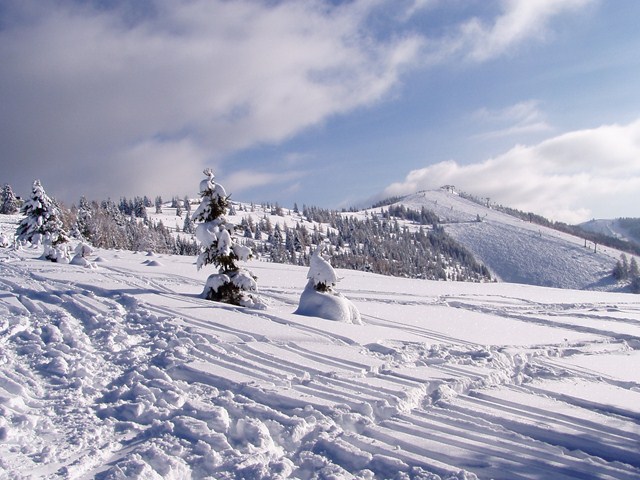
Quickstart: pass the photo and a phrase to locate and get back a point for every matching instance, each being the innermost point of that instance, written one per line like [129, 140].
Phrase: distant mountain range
[627, 229]
[519, 251]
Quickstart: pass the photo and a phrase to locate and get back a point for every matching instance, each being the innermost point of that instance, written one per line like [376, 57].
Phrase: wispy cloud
[478, 40]
[568, 177]
[519, 119]
[243, 180]
[521, 20]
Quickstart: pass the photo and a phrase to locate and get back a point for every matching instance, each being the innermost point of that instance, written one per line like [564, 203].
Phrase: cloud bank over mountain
[568, 177]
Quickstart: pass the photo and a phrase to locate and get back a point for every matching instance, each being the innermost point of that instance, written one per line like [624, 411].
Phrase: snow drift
[320, 299]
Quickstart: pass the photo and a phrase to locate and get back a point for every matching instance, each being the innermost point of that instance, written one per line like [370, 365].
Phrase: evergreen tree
[158, 204]
[232, 284]
[8, 201]
[634, 272]
[139, 208]
[188, 226]
[43, 224]
[81, 228]
[187, 204]
[621, 269]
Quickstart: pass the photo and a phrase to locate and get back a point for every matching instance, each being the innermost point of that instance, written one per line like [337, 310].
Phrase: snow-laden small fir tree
[81, 229]
[42, 224]
[232, 284]
[8, 201]
[319, 299]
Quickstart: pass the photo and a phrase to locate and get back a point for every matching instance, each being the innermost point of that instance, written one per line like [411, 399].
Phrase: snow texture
[125, 372]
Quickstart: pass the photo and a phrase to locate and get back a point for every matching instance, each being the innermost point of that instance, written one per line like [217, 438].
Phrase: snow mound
[319, 299]
[330, 305]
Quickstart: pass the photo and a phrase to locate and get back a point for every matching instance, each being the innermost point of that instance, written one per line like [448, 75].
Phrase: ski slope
[610, 227]
[122, 371]
[517, 251]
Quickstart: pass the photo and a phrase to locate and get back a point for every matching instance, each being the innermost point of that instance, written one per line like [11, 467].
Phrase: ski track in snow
[124, 372]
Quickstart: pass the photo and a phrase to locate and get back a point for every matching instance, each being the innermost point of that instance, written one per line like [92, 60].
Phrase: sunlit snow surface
[122, 371]
[517, 251]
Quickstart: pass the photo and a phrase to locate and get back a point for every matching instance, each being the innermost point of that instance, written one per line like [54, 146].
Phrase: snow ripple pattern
[124, 372]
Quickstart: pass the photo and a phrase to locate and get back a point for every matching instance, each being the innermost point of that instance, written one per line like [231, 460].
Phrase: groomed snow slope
[123, 372]
[517, 251]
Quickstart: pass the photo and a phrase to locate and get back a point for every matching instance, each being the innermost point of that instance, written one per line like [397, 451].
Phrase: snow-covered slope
[122, 371]
[518, 251]
[611, 228]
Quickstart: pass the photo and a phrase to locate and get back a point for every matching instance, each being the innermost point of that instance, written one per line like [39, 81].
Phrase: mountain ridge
[518, 251]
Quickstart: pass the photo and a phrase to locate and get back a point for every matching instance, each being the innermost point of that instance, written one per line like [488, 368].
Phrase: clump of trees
[377, 243]
[627, 271]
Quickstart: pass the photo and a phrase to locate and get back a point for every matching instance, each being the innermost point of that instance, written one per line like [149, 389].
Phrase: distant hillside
[627, 229]
[516, 250]
[436, 234]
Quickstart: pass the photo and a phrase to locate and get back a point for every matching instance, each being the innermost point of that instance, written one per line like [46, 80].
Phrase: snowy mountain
[517, 251]
[616, 228]
[120, 370]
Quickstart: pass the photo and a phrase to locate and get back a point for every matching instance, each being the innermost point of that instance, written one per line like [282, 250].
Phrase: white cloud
[572, 177]
[521, 20]
[82, 85]
[243, 180]
[87, 92]
[519, 119]
[476, 40]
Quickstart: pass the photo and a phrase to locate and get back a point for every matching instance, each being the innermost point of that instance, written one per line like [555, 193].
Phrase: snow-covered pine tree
[158, 204]
[188, 226]
[81, 228]
[43, 224]
[8, 201]
[232, 284]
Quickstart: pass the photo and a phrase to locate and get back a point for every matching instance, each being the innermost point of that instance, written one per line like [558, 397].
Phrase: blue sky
[533, 103]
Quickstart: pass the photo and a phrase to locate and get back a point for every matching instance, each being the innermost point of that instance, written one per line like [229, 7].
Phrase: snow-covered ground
[517, 251]
[122, 371]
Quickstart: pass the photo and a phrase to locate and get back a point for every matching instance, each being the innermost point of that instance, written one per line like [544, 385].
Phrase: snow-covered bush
[319, 299]
[232, 284]
[82, 251]
[4, 240]
[42, 224]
